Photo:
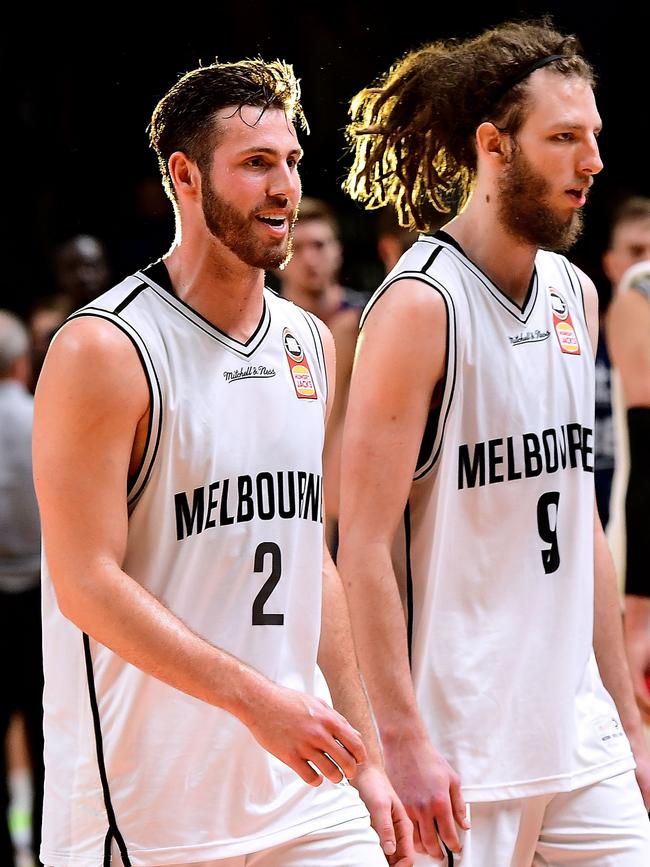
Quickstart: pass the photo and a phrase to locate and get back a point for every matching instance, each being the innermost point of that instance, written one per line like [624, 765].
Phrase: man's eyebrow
[573, 125]
[298, 151]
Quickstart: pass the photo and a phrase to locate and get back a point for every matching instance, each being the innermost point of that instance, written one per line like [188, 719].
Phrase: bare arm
[400, 359]
[91, 401]
[338, 661]
[344, 332]
[608, 632]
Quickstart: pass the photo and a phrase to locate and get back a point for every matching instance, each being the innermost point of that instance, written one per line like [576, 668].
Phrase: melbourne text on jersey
[525, 455]
[290, 494]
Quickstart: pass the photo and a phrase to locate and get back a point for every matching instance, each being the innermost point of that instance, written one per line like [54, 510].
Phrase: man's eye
[564, 136]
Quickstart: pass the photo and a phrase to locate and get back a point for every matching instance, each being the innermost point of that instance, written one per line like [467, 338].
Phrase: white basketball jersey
[225, 528]
[495, 554]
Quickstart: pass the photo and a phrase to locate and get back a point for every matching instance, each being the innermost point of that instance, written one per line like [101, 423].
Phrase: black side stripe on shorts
[113, 830]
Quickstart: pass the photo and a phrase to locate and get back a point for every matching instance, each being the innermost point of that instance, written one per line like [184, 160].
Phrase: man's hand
[430, 791]
[298, 728]
[387, 815]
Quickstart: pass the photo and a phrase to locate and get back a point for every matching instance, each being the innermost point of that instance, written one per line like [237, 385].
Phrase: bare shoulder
[589, 290]
[409, 312]
[92, 359]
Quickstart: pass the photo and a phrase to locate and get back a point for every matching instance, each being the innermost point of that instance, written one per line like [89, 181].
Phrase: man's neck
[506, 260]
[218, 285]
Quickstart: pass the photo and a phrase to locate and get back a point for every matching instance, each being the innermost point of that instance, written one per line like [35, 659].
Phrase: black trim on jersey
[566, 263]
[409, 579]
[433, 420]
[430, 430]
[158, 273]
[129, 298]
[101, 314]
[113, 830]
[318, 342]
[489, 284]
[431, 260]
[429, 435]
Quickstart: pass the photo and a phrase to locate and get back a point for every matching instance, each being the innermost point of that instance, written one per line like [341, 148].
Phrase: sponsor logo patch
[298, 367]
[562, 324]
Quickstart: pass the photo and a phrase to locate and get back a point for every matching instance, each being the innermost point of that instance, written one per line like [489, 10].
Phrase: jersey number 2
[547, 506]
[260, 617]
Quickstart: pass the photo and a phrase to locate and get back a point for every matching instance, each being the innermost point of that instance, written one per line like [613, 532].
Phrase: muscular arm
[338, 662]
[91, 400]
[608, 632]
[400, 359]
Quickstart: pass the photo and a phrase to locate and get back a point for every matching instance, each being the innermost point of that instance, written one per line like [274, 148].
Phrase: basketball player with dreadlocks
[468, 496]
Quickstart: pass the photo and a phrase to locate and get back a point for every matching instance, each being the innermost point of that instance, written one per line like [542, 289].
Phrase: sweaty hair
[413, 134]
[184, 119]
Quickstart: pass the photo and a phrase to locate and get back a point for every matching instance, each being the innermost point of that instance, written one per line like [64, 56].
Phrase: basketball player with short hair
[177, 450]
[468, 466]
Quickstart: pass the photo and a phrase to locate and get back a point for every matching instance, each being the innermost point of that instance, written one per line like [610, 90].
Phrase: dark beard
[522, 209]
[233, 229]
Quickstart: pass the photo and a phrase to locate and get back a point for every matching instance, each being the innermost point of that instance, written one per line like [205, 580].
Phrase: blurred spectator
[46, 315]
[311, 280]
[628, 333]
[81, 269]
[629, 242]
[20, 613]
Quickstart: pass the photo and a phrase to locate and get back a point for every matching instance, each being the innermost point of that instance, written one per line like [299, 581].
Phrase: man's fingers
[417, 842]
[381, 820]
[458, 805]
[306, 772]
[429, 836]
[447, 829]
[343, 758]
[326, 766]
[350, 739]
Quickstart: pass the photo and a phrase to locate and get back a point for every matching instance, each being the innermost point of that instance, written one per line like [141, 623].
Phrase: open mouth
[579, 196]
[274, 222]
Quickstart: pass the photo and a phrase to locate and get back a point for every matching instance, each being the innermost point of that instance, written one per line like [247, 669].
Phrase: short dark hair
[316, 209]
[183, 120]
[412, 134]
[631, 210]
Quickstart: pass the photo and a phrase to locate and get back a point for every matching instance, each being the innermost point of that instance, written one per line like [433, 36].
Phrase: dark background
[78, 98]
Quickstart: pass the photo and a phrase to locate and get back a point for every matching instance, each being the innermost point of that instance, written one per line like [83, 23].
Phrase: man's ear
[492, 143]
[185, 175]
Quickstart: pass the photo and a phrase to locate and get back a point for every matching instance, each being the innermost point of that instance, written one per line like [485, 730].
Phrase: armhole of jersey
[576, 285]
[138, 481]
[318, 349]
[434, 429]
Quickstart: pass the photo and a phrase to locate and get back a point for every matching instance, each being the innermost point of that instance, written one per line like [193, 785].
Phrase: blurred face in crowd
[81, 269]
[316, 257]
[630, 244]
